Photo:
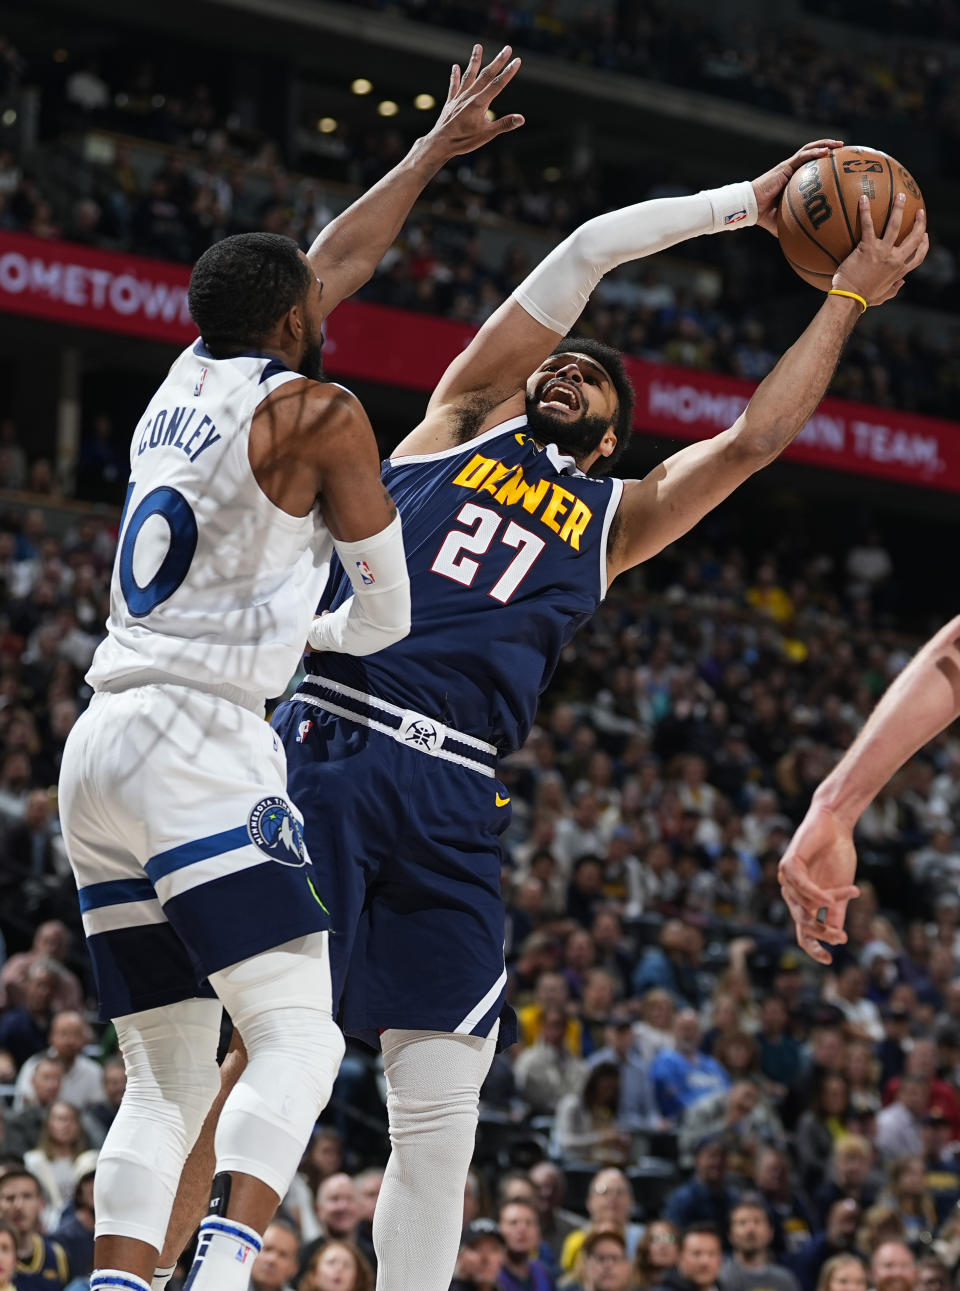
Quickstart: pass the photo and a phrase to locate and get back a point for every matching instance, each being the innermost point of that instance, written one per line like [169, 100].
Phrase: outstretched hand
[463, 124]
[816, 878]
[770, 186]
[876, 267]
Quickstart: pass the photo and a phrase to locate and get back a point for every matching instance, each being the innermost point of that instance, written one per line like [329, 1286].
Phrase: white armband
[378, 612]
[557, 291]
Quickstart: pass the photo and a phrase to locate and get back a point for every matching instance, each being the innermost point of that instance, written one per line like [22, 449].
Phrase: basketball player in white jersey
[246, 472]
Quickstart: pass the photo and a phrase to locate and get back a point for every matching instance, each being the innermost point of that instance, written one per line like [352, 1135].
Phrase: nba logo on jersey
[303, 730]
[366, 573]
[197, 389]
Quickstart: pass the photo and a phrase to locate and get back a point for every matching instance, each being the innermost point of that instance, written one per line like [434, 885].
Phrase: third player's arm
[347, 252]
[663, 506]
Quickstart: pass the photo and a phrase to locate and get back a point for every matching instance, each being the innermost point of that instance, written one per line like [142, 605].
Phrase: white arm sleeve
[378, 612]
[556, 292]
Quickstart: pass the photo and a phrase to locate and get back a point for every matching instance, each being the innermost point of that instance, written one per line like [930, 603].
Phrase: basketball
[818, 222]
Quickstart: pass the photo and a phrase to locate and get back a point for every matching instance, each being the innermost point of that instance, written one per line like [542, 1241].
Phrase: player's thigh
[343, 780]
[433, 942]
[138, 961]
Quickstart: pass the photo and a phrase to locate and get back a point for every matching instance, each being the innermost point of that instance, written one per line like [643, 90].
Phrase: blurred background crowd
[692, 1104]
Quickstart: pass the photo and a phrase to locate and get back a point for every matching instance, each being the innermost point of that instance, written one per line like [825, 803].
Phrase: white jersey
[213, 585]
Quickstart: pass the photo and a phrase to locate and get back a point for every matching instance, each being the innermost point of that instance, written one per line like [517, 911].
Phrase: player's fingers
[454, 82]
[495, 66]
[794, 876]
[505, 124]
[472, 68]
[895, 221]
[916, 238]
[868, 234]
[493, 87]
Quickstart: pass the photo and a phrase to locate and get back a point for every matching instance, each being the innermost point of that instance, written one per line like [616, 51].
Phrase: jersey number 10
[451, 562]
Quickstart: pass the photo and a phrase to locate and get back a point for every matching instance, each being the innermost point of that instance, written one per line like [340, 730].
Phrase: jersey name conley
[559, 509]
[176, 428]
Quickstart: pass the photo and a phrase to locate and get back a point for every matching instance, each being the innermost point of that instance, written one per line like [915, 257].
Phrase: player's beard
[578, 439]
[311, 365]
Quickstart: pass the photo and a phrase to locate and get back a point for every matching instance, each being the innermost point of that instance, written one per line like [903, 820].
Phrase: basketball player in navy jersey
[513, 532]
[193, 877]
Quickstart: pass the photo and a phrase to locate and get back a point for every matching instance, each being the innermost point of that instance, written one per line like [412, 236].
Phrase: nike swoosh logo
[502, 802]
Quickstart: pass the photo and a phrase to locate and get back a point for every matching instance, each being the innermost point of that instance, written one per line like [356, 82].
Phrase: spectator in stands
[551, 991]
[637, 1102]
[519, 1223]
[23, 1127]
[25, 1030]
[60, 1153]
[51, 942]
[82, 1083]
[481, 1257]
[338, 1208]
[750, 1266]
[699, 1260]
[672, 964]
[843, 1273]
[932, 1274]
[8, 1256]
[780, 1054]
[98, 1118]
[740, 1116]
[368, 1184]
[604, 1264]
[849, 1176]
[821, 1126]
[586, 1126]
[893, 1268]
[654, 1031]
[75, 1230]
[547, 1071]
[556, 1223]
[908, 1195]
[792, 1218]
[275, 1266]
[610, 1202]
[41, 1263]
[839, 1236]
[656, 1254]
[706, 1197]
[899, 1127]
[337, 1266]
[682, 1075]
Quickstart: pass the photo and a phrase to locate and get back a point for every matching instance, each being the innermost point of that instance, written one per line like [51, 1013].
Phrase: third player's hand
[768, 187]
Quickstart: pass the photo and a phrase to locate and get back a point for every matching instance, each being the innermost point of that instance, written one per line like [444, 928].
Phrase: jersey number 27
[452, 562]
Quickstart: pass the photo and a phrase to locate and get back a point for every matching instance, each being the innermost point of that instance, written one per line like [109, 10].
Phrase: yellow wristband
[835, 291]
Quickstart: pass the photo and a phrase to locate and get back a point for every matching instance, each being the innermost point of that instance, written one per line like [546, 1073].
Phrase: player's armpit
[676, 495]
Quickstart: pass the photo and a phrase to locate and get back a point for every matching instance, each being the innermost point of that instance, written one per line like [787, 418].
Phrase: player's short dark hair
[612, 363]
[241, 287]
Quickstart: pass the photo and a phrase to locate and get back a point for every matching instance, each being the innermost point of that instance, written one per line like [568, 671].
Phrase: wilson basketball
[819, 218]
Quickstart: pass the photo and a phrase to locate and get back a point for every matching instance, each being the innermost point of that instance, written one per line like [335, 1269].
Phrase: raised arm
[347, 252]
[524, 330]
[663, 506]
[819, 866]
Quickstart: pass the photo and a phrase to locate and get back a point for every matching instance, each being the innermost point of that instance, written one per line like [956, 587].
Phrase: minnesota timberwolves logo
[273, 828]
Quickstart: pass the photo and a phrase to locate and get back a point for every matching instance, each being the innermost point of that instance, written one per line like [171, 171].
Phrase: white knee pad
[280, 1003]
[172, 1078]
[433, 1095]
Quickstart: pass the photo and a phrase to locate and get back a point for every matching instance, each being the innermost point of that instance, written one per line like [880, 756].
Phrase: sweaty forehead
[582, 361]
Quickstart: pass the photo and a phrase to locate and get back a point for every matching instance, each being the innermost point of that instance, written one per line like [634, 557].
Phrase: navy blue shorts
[407, 854]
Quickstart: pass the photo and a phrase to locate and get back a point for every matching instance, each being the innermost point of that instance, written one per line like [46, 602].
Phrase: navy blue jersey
[506, 549]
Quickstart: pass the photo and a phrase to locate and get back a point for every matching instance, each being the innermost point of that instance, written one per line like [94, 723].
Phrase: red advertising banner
[87, 287]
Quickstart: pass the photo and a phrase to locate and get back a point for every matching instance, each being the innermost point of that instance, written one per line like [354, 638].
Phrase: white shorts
[188, 854]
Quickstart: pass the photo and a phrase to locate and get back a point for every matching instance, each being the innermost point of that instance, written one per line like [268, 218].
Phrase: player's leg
[433, 1095]
[192, 1198]
[170, 1055]
[280, 1004]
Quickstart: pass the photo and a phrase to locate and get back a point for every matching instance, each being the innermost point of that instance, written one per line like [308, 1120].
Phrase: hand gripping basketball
[875, 269]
